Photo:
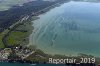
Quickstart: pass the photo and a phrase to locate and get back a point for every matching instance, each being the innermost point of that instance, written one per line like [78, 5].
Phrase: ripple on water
[69, 29]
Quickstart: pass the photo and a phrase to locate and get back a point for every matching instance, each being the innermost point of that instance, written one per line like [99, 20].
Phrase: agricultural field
[14, 38]
[19, 36]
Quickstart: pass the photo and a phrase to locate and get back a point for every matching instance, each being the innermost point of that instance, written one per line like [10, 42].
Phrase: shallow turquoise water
[69, 29]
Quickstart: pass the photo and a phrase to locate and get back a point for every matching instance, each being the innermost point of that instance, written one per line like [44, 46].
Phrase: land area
[15, 28]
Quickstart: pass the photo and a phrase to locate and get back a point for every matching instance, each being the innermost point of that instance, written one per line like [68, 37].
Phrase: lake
[72, 28]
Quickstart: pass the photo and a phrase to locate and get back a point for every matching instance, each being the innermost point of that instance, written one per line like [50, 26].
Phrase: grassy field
[20, 35]
[16, 38]
[1, 43]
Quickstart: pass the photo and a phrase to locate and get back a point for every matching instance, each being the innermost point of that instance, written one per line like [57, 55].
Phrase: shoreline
[28, 17]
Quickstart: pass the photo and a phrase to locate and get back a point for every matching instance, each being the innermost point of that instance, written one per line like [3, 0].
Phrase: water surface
[69, 29]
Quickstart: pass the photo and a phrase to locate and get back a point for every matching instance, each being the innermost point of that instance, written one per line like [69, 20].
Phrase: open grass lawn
[16, 38]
